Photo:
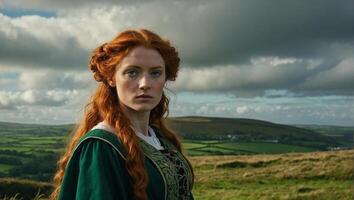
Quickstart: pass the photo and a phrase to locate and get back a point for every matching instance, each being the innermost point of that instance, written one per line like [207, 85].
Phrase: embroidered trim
[94, 137]
[183, 188]
[186, 165]
[168, 169]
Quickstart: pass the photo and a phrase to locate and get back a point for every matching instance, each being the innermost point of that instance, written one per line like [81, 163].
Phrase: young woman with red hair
[123, 149]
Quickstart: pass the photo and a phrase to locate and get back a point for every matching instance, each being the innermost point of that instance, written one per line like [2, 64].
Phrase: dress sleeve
[95, 171]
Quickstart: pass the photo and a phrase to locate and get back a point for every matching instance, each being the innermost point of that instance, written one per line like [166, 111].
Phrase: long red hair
[104, 104]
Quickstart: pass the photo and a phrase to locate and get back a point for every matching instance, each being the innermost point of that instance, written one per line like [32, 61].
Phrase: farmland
[232, 158]
[293, 176]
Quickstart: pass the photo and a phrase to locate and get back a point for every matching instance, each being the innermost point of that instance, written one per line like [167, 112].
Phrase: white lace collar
[150, 139]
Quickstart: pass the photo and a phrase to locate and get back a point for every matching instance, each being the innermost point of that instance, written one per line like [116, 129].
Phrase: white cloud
[28, 97]
[273, 61]
[50, 79]
[340, 77]
[288, 77]
[278, 93]
[14, 100]
[38, 42]
[64, 4]
[241, 109]
[260, 74]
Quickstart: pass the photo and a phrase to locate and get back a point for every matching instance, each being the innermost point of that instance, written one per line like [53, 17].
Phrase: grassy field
[294, 176]
[229, 158]
[212, 147]
[27, 145]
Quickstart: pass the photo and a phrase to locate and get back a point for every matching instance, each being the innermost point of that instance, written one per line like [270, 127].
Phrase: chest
[168, 168]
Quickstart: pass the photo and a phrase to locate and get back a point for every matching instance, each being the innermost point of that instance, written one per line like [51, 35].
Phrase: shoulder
[96, 166]
[99, 140]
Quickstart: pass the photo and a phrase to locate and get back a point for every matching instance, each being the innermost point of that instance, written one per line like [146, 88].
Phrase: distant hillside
[201, 128]
[209, 128]
[330, 130]
[342, 134]
[35, 129]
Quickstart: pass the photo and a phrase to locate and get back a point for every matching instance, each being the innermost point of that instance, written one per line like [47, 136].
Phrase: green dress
[96, 170]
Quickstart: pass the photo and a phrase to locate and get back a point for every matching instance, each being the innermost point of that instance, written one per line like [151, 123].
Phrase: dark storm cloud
[20, 48]
[228, 32]
[62, 4]
[217, 40]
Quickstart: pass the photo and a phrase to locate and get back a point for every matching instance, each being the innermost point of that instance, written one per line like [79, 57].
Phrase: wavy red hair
[103, 104]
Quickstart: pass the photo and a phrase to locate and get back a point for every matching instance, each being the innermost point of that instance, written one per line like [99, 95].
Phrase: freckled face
[140, 78]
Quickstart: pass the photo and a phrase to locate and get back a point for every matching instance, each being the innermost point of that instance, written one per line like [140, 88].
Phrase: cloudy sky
[284, 61]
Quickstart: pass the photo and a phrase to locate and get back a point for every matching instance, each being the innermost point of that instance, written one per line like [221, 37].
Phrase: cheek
[160, 85]
[124, 87]
[122, 82]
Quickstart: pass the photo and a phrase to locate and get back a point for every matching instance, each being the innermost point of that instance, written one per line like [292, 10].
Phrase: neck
[139, 120]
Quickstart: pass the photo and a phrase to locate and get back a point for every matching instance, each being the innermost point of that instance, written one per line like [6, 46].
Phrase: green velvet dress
[96, 170]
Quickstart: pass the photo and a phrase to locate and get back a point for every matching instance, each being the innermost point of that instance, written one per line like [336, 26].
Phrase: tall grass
[293, 176]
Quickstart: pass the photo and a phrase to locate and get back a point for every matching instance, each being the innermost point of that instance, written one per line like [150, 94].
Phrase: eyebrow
[135, 66]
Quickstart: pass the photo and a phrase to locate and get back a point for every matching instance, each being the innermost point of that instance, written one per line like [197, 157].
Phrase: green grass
[5, 168]
[218, 151]
[266, 148]
[190, 145]
[15, 148]
[214, 147]
[296, 176]
[38, 142]
[275, 189]
[5, 140]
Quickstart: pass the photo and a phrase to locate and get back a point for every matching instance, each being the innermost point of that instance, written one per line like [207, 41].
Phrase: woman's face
[139, 79]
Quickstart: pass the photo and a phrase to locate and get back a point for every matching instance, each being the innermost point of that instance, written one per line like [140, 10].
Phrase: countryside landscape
[232, 158]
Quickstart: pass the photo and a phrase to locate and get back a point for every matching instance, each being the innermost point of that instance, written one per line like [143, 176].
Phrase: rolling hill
[209, 128]
[250, 130]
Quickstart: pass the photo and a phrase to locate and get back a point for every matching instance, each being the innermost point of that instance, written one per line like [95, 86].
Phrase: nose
[144, 82]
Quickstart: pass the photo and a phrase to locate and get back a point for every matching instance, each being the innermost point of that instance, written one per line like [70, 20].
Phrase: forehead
[143, 57]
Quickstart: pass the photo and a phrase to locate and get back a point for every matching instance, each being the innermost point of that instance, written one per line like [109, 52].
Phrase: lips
[144, 96]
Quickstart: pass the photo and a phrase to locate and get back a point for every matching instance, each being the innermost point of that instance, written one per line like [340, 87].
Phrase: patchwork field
[233, 159]
[19, 151]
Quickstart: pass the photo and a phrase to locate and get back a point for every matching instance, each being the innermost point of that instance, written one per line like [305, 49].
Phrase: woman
[122, 149]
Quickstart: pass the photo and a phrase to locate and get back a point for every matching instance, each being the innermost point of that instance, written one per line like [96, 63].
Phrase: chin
[143, 108]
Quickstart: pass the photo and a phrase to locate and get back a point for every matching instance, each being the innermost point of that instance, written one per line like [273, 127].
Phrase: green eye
[132, 73]
[156, 73]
